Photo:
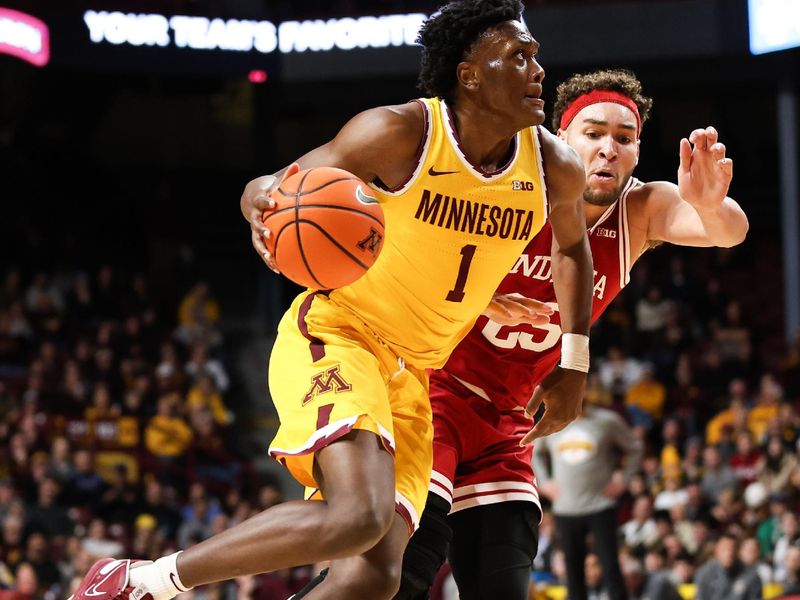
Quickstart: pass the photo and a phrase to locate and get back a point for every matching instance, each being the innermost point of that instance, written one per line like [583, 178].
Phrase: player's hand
[254, 202]
[562, 394]
[705, 173]
[513, 309]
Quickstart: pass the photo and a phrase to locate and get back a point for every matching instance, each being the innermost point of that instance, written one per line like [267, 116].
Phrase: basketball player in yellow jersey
[466, 179]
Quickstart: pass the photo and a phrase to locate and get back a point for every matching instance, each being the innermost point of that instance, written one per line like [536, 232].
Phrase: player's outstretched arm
[697, 211]
[562, 390]
[380, 142]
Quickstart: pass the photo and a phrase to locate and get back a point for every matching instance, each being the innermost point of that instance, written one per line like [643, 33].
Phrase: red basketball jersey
[503, 364]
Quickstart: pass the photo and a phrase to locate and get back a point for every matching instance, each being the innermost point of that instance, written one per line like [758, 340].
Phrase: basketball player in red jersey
[461, 178]
[482, 397]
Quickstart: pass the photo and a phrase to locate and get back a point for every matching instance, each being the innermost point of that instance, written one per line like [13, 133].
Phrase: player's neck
[484, 138]
[592, 212]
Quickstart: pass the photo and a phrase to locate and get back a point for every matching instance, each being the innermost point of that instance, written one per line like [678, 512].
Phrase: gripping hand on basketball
[255, 201]
[562, 394]
[513, 309]
[705, 173]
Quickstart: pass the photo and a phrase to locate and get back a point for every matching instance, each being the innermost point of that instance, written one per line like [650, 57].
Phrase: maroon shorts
[477, 458]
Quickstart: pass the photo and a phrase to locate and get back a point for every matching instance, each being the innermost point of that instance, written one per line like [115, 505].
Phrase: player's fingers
[541, 429]
[718, 150]
[685, 154]
[537, 306]
[711, 135]
[535, 402]
[538, 320]
[262, 203]
[293, 168]
[698, 138]
[257, 223]
[726, 165]
[265, 254]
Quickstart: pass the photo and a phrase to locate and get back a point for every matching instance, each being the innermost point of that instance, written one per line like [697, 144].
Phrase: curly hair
[448, 35]
[616, 80]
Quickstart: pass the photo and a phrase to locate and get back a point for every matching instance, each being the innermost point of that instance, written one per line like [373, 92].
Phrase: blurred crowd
[115, 435]
[693, 359]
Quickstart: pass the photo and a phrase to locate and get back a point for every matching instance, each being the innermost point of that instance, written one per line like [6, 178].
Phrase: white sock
[160, 578]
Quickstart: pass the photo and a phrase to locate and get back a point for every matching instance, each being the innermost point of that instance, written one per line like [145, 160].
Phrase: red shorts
[477, 458]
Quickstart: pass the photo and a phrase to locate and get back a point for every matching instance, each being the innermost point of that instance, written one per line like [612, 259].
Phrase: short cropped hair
[448, 35]
[615, 80]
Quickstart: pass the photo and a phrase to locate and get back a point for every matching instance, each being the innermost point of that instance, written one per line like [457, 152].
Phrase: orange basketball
[326, 229]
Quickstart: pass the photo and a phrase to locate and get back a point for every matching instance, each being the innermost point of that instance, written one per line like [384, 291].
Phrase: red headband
[596, 96]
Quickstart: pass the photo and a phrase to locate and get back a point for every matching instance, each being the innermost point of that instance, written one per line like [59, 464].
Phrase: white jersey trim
[422, 157]
[406, 503]
[493, 493]
[453, 138]
[624, 238]
[478, 391]
[318, 439]
[537, 142]
[441, 486]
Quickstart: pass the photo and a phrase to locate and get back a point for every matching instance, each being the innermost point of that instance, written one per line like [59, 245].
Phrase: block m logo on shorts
[326, 381]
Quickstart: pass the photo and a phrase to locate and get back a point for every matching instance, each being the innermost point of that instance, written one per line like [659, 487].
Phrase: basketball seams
[316, 189]
[297, 227]
[275, 248]
[335, 242]
[325, 206]
[339, 228]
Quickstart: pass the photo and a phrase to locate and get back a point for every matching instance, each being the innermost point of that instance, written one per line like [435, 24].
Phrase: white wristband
[575, 352]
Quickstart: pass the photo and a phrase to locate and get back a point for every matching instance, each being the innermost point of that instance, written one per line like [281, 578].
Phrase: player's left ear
[638, 149]
[467, 75]
[562, 134]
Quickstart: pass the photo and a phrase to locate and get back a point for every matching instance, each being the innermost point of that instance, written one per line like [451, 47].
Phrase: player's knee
[372, 580]
[364, 525]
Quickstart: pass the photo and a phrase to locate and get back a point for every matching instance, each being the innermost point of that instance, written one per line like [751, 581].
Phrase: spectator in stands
[767, 406]
[167, 435]
[49, 515]
[37, 554]
[618, 372]
[645, 399]
[201, 364]
[98, 544]
[197, 317]
[198, 527]
[750, 556]
[640, 532]
[204, 396]
[790, 536]
[776, 466]
[593, 577]
[725, 577]
[650, 584]
[791, 572]
[86, 486]
[27, 584]
[745, 459]
[169, 372]
[651, 317]
[673, 493]
[716, 475]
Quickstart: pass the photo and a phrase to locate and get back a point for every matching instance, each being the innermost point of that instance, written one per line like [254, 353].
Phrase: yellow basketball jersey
[453, 231]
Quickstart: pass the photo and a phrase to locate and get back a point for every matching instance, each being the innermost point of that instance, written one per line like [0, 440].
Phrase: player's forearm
[573, 279]
[726, 225]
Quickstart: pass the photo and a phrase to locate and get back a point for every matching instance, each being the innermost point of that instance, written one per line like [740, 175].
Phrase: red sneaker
[108, 580]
